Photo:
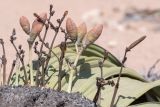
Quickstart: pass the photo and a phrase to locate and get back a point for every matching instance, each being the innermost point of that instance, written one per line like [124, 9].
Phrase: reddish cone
[71, 29]
[82, 30]
[37, 27]
[93, 35]
[25, 24]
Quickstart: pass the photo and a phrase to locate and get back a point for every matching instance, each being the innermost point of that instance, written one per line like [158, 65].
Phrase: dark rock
[25, 96]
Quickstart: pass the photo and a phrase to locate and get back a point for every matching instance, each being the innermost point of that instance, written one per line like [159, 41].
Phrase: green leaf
[95, 50]
[132, 85]
[129, 90]
[148, 104]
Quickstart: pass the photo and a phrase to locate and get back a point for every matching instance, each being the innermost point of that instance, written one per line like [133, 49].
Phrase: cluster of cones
[78, 34]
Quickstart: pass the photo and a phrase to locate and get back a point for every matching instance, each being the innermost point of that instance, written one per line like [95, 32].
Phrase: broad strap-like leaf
[95, 50]
[148, 104]
[129, 90]
[132, 84]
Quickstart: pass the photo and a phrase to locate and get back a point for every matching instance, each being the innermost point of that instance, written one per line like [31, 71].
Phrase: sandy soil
[114, 37]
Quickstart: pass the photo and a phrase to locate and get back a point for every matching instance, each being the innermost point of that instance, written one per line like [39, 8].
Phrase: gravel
[25, 96]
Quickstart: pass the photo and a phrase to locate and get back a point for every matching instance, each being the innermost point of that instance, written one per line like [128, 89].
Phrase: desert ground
[118, 31]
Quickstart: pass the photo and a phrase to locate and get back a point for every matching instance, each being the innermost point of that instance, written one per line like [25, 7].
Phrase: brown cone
[82, 30]
[38, 26]
[93, 35]
[25, 24]
[71, 29]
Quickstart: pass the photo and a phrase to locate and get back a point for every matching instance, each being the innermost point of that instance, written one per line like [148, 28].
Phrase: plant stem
[77, 58]
[59, 75]
[45, 34]
[96, 97]
[37, 77]
[152, 68]
[17, 72]
[63, 49]
[23, 65]
[4, 61]
[20, 55]
[41, 48]
[11, 72]
[43, 74]
[30, 65]
[118, 80]
[54, 38]
[1, 81]
[99, 81]
[76, 46]
[70, 81]
[40, 39]
[72, 71]
[4, 69]
[131, 46]
[50, 50]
